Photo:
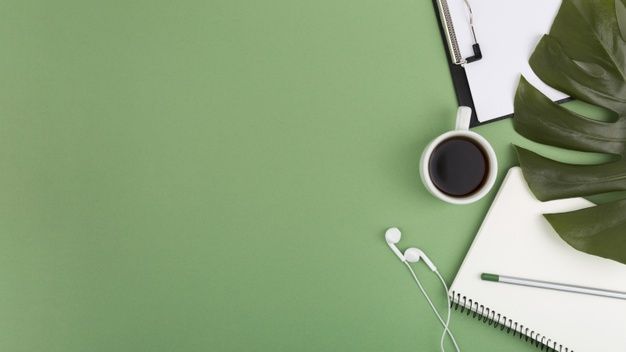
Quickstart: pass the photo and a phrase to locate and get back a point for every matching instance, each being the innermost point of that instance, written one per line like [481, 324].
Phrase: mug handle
[463, 117]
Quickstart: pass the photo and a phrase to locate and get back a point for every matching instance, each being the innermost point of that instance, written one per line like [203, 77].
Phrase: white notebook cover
[507, 31]
[516, 240]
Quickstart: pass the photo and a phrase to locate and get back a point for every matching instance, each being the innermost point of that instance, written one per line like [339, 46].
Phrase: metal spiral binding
[462, 304]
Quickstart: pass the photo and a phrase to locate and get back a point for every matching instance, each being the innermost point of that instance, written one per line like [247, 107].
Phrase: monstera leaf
[584, 56]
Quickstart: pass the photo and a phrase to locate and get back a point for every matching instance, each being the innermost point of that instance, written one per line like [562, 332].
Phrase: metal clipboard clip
[453, 44]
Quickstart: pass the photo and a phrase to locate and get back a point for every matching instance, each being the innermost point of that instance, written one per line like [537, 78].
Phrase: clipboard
[488, 16]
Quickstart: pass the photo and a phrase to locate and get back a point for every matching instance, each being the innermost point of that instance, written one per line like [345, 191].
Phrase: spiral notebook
[516, 240]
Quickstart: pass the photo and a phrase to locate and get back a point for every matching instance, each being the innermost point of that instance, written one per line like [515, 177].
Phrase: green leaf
[584, 55]
[598, 230]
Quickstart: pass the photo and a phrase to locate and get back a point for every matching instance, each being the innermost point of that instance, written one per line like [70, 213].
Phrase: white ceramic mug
[463, 116]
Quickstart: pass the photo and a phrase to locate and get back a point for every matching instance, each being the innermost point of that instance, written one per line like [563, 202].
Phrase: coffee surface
[458, 167]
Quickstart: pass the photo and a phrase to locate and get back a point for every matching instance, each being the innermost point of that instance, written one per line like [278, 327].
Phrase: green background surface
[217, 176]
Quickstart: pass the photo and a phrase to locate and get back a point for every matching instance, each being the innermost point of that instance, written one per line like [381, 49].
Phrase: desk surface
[217, 176]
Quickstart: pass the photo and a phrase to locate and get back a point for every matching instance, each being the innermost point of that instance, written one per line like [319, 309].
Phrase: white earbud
[392, 236]
[413, 255]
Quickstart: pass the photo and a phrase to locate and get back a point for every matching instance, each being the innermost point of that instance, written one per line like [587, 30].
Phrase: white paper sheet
[507, 31]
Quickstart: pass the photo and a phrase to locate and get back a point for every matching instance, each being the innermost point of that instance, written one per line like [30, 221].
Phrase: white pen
[553, 286]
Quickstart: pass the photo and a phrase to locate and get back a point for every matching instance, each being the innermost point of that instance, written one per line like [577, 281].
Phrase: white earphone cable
[447, 327]
[432, 306]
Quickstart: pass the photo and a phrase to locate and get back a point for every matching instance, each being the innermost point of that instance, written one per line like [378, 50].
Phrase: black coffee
[458, 167]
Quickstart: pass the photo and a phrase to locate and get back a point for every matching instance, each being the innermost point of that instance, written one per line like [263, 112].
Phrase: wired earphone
[414, 255]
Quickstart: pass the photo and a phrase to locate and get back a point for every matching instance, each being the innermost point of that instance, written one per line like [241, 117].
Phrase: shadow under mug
[461, 130]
